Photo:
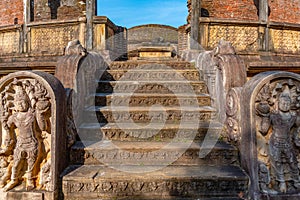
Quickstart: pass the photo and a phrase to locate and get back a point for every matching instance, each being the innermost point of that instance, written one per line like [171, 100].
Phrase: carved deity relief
[278, 136]
[25, 113]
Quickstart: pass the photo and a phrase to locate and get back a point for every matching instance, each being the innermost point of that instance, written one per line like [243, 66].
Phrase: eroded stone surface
[30, 126]
[272, 134]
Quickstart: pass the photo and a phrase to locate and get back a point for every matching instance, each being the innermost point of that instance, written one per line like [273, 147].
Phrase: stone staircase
[149, 133]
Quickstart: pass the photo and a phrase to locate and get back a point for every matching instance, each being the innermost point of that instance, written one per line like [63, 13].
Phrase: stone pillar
[194, 36]
[264, 20]
[263, 10]
[27, 19]
[90, 13]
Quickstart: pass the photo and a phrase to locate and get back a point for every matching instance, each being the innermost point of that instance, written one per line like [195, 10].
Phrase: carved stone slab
[152, 87]
[222, 70]
[33, 139]
[270, 134]
[144, 153]
[187, 182]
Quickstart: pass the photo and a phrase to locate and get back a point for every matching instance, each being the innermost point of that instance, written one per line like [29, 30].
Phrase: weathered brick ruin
[11, 12]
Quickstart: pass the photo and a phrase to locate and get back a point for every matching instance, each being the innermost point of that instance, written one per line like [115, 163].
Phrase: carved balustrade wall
[250, 36]
[49, 38]
[108, 36]
[285, 39]
[11, 40]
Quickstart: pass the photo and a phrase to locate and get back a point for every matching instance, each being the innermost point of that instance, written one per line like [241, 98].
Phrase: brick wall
[9, 11]
[182, 39]
[231, 9]
[285, 11]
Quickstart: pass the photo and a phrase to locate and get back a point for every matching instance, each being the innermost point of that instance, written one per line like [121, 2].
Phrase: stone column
[90, 13]
[26, 4]
[264, 19]
[263, 10]
[194, 37]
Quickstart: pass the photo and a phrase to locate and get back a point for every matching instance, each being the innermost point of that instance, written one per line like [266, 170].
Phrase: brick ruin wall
[11, 12]
[231, 9]
[285, 11]
[280, 10]
[182, 40]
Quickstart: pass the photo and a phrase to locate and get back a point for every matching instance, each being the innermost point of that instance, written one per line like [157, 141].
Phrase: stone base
[24, 195]
[280, 197]
[181, 182]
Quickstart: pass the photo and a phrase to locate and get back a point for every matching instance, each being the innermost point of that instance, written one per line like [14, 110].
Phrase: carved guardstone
[270, 136]
[33, 140]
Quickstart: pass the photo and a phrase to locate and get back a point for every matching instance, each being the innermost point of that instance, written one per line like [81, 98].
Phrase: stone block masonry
[11, 12]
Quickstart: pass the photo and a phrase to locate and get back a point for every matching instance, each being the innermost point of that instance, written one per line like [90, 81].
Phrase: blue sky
[130, 13]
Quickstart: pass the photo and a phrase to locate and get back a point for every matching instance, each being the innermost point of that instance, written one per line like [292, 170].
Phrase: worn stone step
[124, 114]
[153, 153]
[138, 99]
[150, 132]
[159, 87]
[151, 75]
[102, 182]
[151, 65]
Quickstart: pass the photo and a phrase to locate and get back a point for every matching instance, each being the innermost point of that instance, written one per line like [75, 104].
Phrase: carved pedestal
[33, 140]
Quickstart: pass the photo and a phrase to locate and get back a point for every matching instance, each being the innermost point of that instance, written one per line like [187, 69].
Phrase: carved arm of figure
[42, 114]
[263, 110]
[7, 138]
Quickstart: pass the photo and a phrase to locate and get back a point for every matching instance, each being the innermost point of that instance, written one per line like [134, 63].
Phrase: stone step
[151, 65]
[160, 87]
[125, 114]
[151, 75]
[138, 99]
[114, 182]
[108, 152]
[150, 132]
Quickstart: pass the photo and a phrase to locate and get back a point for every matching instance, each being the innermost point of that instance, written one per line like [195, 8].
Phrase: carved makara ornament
[26, 143]
[277, 111]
